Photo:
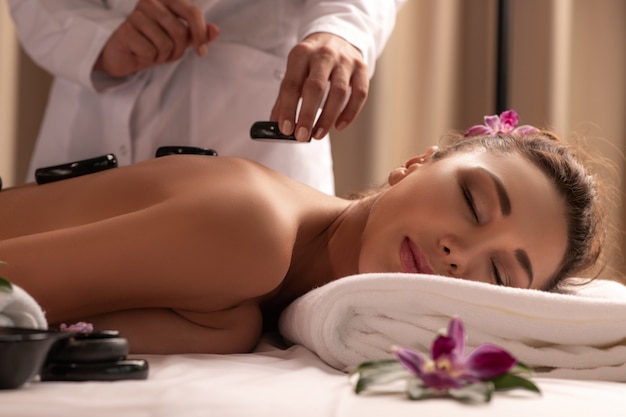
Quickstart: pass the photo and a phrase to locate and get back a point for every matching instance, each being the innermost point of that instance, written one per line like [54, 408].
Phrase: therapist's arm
[341, 42]
[65, 37]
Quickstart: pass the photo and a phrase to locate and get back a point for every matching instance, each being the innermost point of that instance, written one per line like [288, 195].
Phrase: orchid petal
[478, 130]
[489, 361]
[443, 346]
[456, 331]
[80, 327]
[411, 360]
[525, 130]
[508, 120]
[493, 122]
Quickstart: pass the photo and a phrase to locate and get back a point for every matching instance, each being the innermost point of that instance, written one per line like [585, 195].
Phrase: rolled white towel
[359, 318]
[19, 309]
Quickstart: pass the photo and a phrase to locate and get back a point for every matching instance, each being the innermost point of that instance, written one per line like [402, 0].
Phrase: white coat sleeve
[65, 37]
[366, 24]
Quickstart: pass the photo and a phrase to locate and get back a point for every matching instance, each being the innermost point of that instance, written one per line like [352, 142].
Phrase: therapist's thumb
[212, 32]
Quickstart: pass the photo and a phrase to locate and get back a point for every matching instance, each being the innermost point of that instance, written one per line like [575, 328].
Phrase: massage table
[576, 342]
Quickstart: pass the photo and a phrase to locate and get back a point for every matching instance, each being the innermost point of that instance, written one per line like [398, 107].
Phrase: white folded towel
[19, 309]
[359, 318]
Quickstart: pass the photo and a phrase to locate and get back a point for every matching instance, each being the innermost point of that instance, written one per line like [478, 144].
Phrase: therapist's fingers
[321, 62]
[193, 18]
[126, 51]
[284, 110]
[320, 65]
[349, 86]
[159, 28]
[168, 33]
[307, 74]
[142, 41]
[359, 90]
[348, 89]
[318, 81]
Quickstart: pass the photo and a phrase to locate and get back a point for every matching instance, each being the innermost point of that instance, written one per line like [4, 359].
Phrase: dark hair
[574, 183]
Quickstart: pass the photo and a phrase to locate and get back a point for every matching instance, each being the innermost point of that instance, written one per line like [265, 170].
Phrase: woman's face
[477, 216]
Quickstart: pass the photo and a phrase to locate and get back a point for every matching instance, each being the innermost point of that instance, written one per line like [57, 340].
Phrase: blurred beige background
[567, 71]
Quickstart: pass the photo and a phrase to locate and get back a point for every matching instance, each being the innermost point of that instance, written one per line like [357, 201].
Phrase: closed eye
[496, 274]
[469, 200]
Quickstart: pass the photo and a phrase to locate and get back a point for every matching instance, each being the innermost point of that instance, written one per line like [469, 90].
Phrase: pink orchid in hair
[505, 123]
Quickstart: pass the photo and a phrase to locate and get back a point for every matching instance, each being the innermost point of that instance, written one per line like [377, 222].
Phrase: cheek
[383, 233]
[547, 246]
[402, 212]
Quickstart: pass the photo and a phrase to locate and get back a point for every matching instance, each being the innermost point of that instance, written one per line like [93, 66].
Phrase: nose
[456, 257]
[451, 263]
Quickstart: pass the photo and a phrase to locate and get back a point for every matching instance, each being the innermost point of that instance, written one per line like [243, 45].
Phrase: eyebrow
[503, 196]
[505, 206]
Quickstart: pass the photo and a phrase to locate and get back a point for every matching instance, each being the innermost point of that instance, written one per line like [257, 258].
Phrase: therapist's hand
[157, 31]
[321, 60]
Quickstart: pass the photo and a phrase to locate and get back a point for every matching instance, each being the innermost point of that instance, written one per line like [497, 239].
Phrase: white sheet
[359, 318]
[274, 382]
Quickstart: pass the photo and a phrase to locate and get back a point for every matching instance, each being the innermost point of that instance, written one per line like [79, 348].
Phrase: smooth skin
[160, 31]
[191, 253]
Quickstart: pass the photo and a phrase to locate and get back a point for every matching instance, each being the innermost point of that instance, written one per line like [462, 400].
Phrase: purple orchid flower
[505, 123]
[449, 368]
[80, 327]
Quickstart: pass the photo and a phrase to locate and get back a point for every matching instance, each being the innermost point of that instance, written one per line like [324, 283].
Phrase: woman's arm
[165, 331]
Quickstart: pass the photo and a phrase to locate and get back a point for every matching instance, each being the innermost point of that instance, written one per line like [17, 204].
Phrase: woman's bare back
[177, 254]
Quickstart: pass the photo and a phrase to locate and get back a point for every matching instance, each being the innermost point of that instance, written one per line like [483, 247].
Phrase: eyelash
[496, 274]
[467, 195]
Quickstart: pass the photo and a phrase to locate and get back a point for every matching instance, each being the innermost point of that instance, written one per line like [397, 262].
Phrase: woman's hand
[319, 62]
[157, 31]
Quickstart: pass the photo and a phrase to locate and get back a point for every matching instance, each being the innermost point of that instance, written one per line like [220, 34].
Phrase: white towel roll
[19, 309]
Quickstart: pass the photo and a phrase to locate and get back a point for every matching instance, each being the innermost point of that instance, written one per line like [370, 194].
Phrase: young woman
[192, 253]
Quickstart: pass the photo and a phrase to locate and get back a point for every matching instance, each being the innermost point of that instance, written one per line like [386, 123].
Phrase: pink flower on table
[448, 372]
[448, 368]
[80, 327]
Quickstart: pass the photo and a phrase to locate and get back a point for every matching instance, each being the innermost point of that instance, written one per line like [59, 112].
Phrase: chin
[371, 267]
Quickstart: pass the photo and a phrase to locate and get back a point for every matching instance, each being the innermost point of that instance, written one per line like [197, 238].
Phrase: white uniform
[207, 102]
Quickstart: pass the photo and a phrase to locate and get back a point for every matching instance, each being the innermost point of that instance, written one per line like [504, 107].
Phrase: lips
[413, 259]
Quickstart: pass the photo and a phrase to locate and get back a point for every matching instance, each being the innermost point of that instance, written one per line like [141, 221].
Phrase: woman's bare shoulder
[237, 187]
[249, 213]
